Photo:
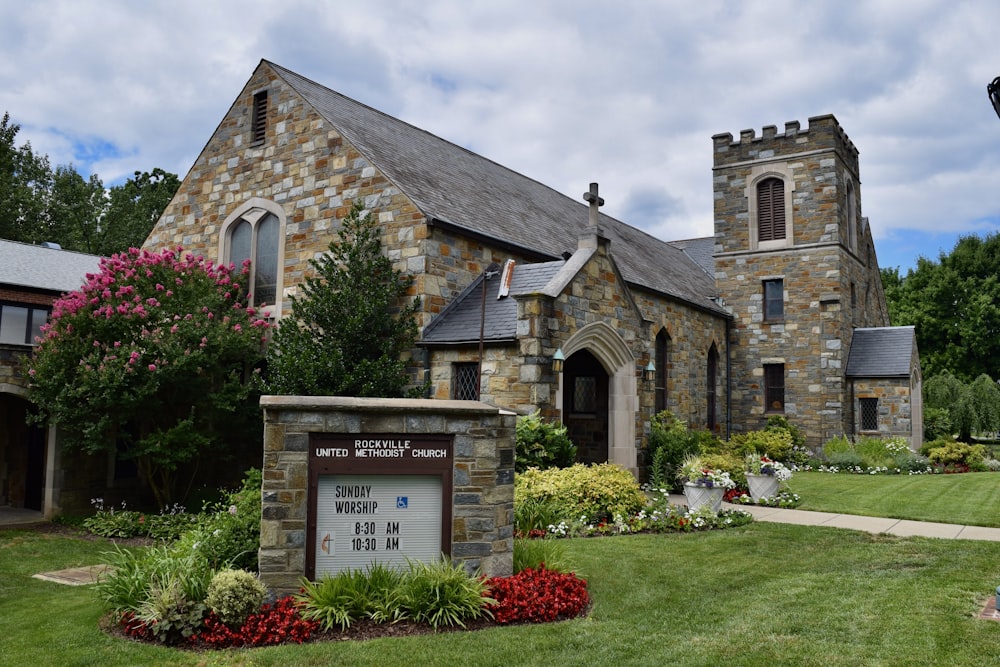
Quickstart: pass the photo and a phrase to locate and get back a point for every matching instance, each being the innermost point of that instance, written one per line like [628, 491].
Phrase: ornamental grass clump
[443, 594]
[439, 594]
[341, 599]
[547, 552]
[161, 588]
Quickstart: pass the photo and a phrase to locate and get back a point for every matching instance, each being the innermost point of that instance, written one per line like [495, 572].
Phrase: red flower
[538, 596]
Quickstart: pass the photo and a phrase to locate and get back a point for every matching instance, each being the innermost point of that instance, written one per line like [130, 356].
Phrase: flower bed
[534, 595]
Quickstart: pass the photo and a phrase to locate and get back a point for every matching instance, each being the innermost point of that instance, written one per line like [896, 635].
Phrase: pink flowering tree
[152, 359]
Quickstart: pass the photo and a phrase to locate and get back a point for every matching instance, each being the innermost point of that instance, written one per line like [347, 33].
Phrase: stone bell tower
[795, 263]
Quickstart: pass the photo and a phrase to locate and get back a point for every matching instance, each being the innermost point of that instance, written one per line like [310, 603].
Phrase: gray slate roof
[459, 322]
[881, 352]
[700, 251]
[49, 269]
[457, 187]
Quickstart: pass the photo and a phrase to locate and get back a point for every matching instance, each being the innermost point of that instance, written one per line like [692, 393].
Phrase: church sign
[382, 498]
[351, 481]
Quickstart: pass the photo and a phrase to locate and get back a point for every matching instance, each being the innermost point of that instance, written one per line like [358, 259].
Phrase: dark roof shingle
[456, 186]
[459, 323]
[881, 352]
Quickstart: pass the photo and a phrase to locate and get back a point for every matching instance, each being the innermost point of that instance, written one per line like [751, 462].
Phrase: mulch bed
[362, 630]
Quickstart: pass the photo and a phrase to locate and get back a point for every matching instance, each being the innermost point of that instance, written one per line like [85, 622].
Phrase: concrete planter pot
[762, 486]
[700, 496]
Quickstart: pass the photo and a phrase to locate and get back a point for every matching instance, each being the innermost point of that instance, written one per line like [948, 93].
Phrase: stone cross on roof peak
[595, 202]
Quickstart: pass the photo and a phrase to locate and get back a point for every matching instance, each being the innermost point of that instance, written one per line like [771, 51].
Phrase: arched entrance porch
[607, 359]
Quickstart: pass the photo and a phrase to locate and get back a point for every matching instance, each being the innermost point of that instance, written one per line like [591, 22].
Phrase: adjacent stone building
[532, 300]
[35, 473]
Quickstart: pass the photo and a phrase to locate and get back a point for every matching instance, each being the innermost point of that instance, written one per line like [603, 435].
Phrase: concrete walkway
[870, 524]
[18, 516]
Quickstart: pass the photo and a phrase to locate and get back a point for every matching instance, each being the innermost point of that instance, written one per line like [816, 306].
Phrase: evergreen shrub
[542, 444]
[670, 442]
[233, 595]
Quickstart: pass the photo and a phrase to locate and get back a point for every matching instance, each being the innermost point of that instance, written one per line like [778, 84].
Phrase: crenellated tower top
[823, 134]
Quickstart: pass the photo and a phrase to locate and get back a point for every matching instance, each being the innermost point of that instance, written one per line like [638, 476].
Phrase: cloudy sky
[626, 93]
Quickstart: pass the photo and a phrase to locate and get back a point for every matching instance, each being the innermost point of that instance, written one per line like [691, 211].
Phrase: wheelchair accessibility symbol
[402, 502]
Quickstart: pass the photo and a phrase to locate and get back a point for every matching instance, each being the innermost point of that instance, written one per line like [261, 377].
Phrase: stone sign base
[480, 484]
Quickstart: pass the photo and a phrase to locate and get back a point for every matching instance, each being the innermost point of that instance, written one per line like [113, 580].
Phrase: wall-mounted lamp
[649, 372]
[557, 361]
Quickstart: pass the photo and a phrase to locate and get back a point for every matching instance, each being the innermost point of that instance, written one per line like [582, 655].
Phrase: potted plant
[764, 475]
[703, 485]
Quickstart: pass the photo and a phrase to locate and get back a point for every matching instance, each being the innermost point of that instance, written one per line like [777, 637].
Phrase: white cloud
[628, 94]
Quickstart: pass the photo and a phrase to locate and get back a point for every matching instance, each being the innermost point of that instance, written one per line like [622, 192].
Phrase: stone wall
[482, 485]
[692, 333]
[810, 339]
[827, 264]
[894, 405]
[314, 175]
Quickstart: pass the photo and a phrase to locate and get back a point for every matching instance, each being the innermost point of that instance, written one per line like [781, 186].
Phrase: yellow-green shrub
[775, 442]
[597, 491]
[958, 453]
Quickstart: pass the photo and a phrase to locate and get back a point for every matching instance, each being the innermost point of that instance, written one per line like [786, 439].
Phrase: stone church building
[534, 300]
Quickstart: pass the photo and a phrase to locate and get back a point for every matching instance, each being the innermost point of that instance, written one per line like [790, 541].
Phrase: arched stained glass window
[265, 268]
[255, 237]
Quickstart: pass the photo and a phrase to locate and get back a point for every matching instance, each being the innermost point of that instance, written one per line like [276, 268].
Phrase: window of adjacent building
[774, 387]
[19, 325]
[258, 119]
[465, 381]
[868, 409]
[770, 209]
[774, 300]
[585, 394]
[711, 390]
[255, 237]
[662, 369]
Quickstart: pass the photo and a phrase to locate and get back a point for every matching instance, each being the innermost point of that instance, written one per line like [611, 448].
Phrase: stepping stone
[75, 576]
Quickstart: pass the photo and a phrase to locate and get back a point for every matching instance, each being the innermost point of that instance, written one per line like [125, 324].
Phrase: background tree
[40, 204]
[985, 397]
[133, 209]
[351, 324]
[151, 360]
[946, 392]
[74, 208]
[24, 179]
[954, 304]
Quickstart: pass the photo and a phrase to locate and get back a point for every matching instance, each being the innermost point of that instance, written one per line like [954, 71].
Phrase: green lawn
[971, 499]
[766, 594]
